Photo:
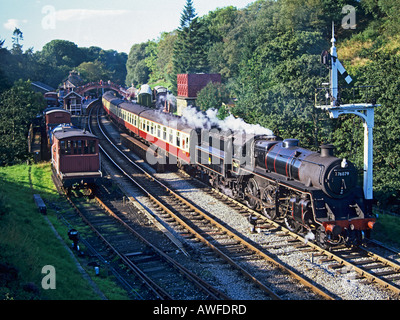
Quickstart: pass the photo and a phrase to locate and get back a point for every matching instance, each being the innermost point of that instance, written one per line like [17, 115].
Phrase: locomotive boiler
[336, 177]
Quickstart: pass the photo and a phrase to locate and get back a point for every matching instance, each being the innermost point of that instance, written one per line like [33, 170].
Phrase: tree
[188, 14]
[61, 53]
[137, 70]
[93, 71]
[220, 24]
[114, 64]
[18, 107]
[190, 50]
[165, 50]
[151, 61]
[212, 96]
[16, 39]
[383, 72]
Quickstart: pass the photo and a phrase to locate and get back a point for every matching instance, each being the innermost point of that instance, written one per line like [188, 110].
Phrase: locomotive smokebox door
[340, 181]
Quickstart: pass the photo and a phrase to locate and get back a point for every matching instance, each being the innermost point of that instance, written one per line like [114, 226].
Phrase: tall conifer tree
[190, 54]
[188, 14]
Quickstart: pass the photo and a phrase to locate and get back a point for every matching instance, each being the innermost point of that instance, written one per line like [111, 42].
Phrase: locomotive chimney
[327, 150]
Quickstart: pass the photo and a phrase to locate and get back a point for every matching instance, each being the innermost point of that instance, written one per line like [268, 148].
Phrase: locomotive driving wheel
[269, 205]
[321, 238]
[292, 224]
[251, 193]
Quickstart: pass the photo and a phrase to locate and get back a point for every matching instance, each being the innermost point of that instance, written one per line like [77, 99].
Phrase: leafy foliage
[212, 96]
[188, 14]
[137, 70]
[18, 106]
[93, 71]
[190, 52]
[55, 60]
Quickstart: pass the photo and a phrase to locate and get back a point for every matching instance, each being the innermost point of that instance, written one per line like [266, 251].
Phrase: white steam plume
[206, 120]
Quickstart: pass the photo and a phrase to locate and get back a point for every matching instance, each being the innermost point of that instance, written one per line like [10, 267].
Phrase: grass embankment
[27, 243]
[387, 229]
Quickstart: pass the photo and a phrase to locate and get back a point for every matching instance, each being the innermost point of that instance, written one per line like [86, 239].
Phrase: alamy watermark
[349, 20]
[49, 20]
[49, 280]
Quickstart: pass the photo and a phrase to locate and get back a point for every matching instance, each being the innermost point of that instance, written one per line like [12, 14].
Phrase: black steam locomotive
[310, 191]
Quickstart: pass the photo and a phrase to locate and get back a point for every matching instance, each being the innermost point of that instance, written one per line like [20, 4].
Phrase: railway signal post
[363, 110]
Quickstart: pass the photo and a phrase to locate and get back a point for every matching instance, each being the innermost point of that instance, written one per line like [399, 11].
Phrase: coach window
[75, 147]
[62, 147]
[178, 139]
[164, 133]
[80, 147]
[148, 126]
[158, 131]
[152, 128]
[171, 136]
[85, 147]
[67, 149]
[92, 147]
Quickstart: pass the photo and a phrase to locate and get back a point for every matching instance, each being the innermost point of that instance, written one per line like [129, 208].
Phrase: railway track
[217, 239]
[161, 277]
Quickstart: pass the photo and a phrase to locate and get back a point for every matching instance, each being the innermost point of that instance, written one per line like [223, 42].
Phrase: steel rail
[92, 249]
[157, 290]
[204, 286]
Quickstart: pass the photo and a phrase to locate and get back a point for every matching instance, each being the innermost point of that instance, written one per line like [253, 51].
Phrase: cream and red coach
[164, 130]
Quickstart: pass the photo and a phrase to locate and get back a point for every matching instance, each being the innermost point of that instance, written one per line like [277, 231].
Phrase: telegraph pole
[363, 110]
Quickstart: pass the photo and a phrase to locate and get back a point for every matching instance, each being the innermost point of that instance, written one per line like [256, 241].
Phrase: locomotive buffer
[363, 110]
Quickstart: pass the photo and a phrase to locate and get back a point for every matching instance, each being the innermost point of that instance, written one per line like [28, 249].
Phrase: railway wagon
[53, 118]
[75, 157]
[145, 96]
